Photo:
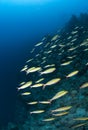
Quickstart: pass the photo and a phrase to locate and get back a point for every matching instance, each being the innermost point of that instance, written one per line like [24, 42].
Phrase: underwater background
[23, 24]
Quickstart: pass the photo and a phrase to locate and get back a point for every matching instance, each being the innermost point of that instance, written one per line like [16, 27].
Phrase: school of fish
[49, 69]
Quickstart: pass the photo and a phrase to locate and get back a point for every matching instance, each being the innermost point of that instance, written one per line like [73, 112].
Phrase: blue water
[22, 24]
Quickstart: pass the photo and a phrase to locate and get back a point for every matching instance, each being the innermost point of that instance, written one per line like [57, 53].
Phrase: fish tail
[51, 112]
[44, 86]
[30, 113]
[40, 73]
[30, 86]
[67, 77]
[18, 89]
[50, 101]
[26, 73]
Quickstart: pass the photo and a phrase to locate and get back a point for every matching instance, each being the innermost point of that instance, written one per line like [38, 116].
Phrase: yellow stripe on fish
[25, 93]
[32, 103]
[26, 85]
[37, 85]
[51, 82]
[58, 95]
[47, 71]
[37, 112]
[62, 109]
[72, 73]
[33, 69]
[84, 85]
[81, 118]
[60, 114]
[49, 119]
